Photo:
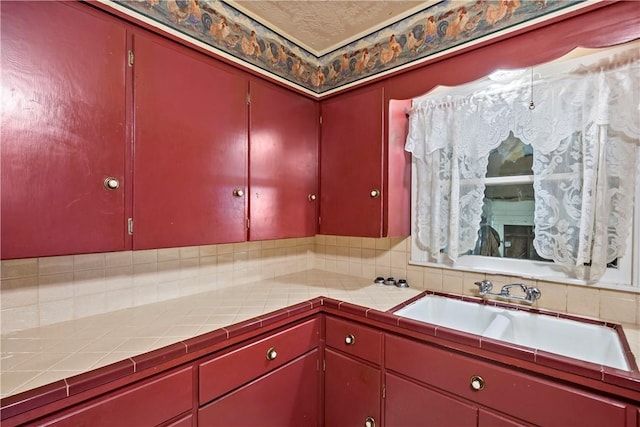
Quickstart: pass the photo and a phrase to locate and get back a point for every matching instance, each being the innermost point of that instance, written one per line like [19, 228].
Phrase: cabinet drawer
[151, 402]
[355, 339]
[231, 370]
[521, 395]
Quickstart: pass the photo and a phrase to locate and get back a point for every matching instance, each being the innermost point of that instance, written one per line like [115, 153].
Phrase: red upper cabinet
[63, 130]
[283, 134]
[365, 174]
[190, 147]
[351, 164]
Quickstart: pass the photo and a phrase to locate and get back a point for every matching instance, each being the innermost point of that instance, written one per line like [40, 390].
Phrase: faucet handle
[533, 294]
[484, 286]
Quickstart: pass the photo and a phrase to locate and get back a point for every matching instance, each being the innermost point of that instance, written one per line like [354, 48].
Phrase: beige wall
[41, 291]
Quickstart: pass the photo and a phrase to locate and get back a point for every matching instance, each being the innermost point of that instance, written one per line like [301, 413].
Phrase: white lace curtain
[584, 132]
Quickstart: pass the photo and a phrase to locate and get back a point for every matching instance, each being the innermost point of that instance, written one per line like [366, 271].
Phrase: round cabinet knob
[111, 183]
[369, 422]
[350, 339]
[312, 197]
[477, 383]
[374, 194]
[238, 192]
[272, 354]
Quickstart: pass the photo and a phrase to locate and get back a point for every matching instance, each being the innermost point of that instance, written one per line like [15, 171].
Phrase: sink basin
[579, 340]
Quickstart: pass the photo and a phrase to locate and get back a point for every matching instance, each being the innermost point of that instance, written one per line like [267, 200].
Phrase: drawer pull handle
[374, 193]
[477, 383]
[272, 354]
[350, 339]
[238, 192]
[369, 422]
[111, 183]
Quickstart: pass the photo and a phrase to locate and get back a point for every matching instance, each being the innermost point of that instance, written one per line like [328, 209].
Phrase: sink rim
[498, 304]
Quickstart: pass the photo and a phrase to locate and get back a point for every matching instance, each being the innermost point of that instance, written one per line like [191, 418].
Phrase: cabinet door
[408, 404]
[352, 391]
[190, 147]
[283, 162]
[351, 164]
[285, 397]
[63, 130]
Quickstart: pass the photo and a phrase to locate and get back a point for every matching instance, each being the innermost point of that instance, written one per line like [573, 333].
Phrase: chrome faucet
[505, 289]
[531, 294]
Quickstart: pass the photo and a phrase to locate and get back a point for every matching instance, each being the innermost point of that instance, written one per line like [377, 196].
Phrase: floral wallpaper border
[441, 26]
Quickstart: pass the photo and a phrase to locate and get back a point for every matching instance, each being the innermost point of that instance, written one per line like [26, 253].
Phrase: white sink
[579, 340]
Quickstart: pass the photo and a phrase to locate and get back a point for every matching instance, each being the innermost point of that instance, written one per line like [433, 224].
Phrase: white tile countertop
[39, 356]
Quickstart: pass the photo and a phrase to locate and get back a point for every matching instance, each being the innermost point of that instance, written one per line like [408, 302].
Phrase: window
[506, 224]
[543, 187]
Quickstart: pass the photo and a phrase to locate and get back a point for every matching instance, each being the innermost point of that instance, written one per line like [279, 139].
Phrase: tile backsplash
[42, 291]
[370, 257]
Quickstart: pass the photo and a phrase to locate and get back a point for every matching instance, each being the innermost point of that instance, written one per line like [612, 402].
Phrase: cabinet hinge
[130, 225]
[248, 98]
[248, 223]
[384, 391]
[320, 119]
[130, 58]
[324, 365]
[319, 220]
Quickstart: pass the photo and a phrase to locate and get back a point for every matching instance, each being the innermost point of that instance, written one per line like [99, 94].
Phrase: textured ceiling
[322, 26]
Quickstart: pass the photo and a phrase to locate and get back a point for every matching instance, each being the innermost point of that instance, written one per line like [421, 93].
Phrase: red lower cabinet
[271, 381]
[285, 397]
[352, 392]
[370, 377]
[156, 401]
[408, 404]
[524, 396]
